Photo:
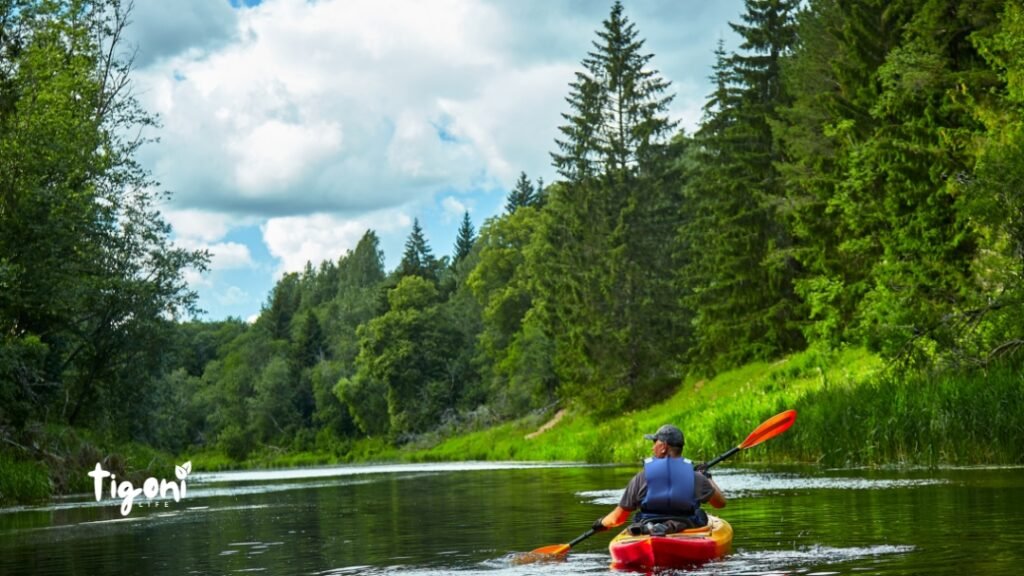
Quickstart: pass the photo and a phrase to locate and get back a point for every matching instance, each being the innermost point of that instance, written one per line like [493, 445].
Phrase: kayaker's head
[668, 441]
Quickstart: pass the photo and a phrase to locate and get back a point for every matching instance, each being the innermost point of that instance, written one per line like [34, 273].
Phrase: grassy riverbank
[851, 412]
[48, 460]
[714, 414]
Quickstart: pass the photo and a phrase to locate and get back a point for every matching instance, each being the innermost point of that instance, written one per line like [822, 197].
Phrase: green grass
[851, 411]
[961, 418]
[715, 415]
[61, 458]
[22, 482]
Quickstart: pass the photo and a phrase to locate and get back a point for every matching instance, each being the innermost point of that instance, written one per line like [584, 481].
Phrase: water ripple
[356, 470]
[745, 484]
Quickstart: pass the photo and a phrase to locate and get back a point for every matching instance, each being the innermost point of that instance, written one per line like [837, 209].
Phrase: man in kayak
[667, 493]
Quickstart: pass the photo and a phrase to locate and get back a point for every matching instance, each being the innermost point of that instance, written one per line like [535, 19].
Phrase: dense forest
[857, 180]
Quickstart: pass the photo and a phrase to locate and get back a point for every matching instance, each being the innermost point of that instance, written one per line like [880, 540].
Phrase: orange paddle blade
[553, 550]
[555, 553]
[770, 428]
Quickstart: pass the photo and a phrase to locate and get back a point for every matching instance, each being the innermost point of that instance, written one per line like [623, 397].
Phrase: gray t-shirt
[636, 490]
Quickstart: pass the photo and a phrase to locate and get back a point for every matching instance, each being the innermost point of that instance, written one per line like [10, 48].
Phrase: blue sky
[289, 127]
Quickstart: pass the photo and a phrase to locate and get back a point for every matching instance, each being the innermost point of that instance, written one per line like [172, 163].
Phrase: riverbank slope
[852, 412]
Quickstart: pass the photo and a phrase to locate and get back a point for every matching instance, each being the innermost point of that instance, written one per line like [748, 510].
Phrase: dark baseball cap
[668, 434]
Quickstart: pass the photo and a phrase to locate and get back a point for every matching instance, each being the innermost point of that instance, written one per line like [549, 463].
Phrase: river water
[477, 518]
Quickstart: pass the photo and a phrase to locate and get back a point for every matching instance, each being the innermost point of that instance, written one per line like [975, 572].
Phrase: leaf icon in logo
[182, 471]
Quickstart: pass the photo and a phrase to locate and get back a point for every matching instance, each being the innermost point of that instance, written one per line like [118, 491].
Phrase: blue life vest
[670, 490]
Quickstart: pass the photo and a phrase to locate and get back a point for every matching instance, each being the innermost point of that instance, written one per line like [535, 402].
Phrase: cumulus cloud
[161, 29]
[229, 255]
[296, 240]
[233, 296]
[453, 208]
[326, 106]
[196, 226]
[318, 120]
[197, 230]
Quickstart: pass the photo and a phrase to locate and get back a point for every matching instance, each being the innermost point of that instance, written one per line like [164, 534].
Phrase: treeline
[857, 179]
[90, 284]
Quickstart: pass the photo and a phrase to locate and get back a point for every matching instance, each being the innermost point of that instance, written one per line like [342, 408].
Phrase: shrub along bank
[47, 460]
[852, 411]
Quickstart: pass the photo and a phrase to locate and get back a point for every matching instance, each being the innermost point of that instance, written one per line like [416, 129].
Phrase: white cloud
[161, 29]
[273, 155]
[233, 296]
[453, 208]
[334, 106]
[198, 230]
[325, 106]
[196, 227]
[195, 279]
[229, 255]
[295, 240]
[293, 113]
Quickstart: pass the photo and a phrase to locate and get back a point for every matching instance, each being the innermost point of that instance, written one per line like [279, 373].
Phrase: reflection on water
[747, 484]
[783, 560]
[358, 470]
[474, 518]
[236, 483]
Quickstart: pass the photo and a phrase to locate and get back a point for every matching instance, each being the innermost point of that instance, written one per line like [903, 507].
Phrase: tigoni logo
[151, 488]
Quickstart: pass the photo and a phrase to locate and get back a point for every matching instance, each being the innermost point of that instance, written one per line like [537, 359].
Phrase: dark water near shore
[473, 518]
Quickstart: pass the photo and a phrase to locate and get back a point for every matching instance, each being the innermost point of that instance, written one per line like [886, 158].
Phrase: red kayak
[673, 550]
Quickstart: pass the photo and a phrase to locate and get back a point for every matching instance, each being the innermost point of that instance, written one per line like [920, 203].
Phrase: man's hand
[598, 525]
[703, 469]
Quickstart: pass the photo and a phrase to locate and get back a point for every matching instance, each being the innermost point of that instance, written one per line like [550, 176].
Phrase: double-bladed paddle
[768, 429]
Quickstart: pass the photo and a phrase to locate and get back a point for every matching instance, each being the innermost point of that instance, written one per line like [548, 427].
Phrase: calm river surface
[472, 518]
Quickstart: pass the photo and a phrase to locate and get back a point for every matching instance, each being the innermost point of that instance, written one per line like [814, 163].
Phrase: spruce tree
[884, 162]
[602, 256]
[465, 239]
[832, 80]
[904, 182]
[619, 107]
[418, 259]
[523, 194]
[541, 195]
[738, 277]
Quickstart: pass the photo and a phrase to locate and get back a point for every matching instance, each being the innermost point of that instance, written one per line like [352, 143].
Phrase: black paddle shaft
[731, 451]
[581, 537]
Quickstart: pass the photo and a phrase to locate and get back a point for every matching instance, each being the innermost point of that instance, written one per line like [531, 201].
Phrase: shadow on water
[475, 518]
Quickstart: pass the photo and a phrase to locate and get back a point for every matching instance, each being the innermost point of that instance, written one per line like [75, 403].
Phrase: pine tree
[602, 256]
[418, 259]
[619, 107]
[523, 194]
[903, 182]
[832, 80]
[883, 162]
[362, 267]
[465, 240]
[739, 273]
[281, 306]
[540, 198]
